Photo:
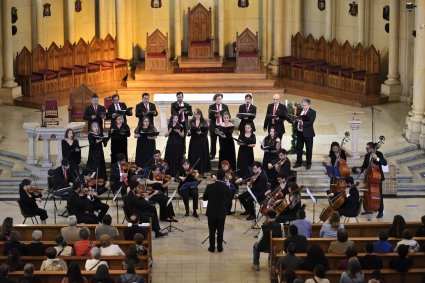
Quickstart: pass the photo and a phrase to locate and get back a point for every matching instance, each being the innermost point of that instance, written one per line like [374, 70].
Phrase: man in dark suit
[216, 112]
[146, 109]
[119, 177]
[63, 179]
[376, 157]
[247, 108]
[217, 195]
[184, 110]
[118, 107]
[300, 241]
[305, 134]
[351, 205]
[95, 113]
[258, 187]
[79, 207]
[130, 231]
[275, 116]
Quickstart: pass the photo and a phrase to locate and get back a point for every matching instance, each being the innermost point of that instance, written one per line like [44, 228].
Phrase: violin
[130, 167]
[144, 191]
[31, 190]
[96, 182]
[164, 178]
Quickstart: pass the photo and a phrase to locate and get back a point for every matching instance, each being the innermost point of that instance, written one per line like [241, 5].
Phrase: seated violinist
[90, 195]
[293, 199]
[159, 182]
[188, 175]
[351, 204]
[63, 178]
[28, 196]
[158, 161]
[79, 207]
[231, 182]
[119, 175]
[280, 167]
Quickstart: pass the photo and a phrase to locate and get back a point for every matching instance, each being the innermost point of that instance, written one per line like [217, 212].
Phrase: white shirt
[117, 106]
[111, 251]
[93, 264]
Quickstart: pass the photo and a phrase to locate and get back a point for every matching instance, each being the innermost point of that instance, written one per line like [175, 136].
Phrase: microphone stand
[41, 112]
[373, 121]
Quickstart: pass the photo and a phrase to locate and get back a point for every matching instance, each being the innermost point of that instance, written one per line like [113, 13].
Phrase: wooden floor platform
[215, 62]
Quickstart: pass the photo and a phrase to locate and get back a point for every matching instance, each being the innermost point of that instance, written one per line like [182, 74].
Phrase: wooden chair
[39, 67]
[200, 39]
[247, 52]
[51, 113]
[65, 75]
[109, 53]
[79, 99]
[157, 53]
[30, 83]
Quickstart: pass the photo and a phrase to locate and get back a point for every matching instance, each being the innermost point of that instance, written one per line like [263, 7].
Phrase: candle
[286, 102]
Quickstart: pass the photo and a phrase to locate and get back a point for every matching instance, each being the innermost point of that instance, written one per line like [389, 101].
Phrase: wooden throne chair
[247, 53]
[157, 53]
[200, 39]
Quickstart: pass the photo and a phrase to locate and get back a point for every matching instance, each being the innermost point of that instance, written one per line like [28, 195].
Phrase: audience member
[4, 274]
[107, 248]
[14, 260]
[132, 257]
[301, 243]
[288, 276]
[369, 260]
[6, 228]
[315, 256]
[62, 247]
[354, 272]
[130, 231]
[14, 243]
[290, 260]
[36, 247]
[73, 275]
[130, 275]
[349, 252]
[102, 275]
[329, 230]
[403, 262]
[341, 244]
[29, 276]
[71, 233]
[94, 262]
[382, 246]
[408, 240]
[84, 245]
[376, 277]
[304, 226]
[106, 228]
[397, 228]
[420, 232]
[319, 273]
[53, 263]
[138, 241]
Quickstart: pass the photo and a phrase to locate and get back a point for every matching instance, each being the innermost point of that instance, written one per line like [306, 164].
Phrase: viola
[96, 182]
[164, 178]
[130, 167]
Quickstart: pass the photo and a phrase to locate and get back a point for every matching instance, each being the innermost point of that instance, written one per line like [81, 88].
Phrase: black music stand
[258, 217]
[171, 228]
[333, 172]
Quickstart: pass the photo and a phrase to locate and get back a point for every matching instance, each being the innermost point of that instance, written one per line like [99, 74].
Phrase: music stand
[188, 186]
[114, 199]
[333, 172]
[254, 225]
[314, 200]
[171, 228]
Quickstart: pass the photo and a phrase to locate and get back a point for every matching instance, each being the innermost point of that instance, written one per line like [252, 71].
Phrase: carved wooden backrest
[108, 48]
[247, 41]
[373, 60]
[39, 59]
[297, 45]
[310, 47]
[95, 53]
[66, 58]
[322, 49]
[347, 55]
[157, 42]
[79, 98]
[51, 108]
[334, 53]
[199, 23]
[359, 58]
[81, 53]
[53, 57]
[24, 62]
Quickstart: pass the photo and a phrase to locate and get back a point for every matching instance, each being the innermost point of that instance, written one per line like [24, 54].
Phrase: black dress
[227, 147]
[118, 138]
[74, 157]
[174, 152]
[145, 147]
[96, 159]
[29, 205]
[270, 153]
[245, 155]
[198, 147]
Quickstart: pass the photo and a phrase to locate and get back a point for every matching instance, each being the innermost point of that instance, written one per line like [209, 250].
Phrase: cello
[339, 185]
[372, 181]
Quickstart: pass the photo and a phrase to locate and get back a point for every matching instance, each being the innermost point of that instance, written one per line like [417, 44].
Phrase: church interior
[360, 63]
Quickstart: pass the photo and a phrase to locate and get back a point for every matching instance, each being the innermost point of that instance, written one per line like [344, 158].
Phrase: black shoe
[219, 249]
[211, 249]
[159, 234]
[308, 167]
[251, 217]
[245, 213]
[296, 165]
[195, 214]
[187, 213]
[380, 214]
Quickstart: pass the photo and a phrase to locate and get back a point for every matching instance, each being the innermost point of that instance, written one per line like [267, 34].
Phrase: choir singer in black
[118, 107]
[215, 113]
[146, 109]
[276, 116]
[95, 113]
[247, 113]
[305, 134]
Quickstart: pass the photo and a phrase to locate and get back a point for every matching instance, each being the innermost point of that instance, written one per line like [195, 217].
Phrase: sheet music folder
[333, 172]
[191, 185]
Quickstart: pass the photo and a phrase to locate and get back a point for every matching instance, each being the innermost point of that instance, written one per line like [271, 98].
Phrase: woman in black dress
[246, 151]
[71, 151]
[227, 145]
[118, 134]
[198, 146]
[175, 145]
[96, 159]
[27, 197]
[271, 146]
[145, 142]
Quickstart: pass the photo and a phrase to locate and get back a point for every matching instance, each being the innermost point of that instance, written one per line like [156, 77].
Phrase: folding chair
[25, 215]
[359, 209]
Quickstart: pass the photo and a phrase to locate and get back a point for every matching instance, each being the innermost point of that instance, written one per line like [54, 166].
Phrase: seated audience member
[4, 274]
[290, 260]
[288, 275]
[84, 245]
[6, 228]
[420, 232]
[403, 262]
[397, 227]
[382, 246]
[376, 277]
[62, 247]
[106, 228]
[94, 262]
[72, 232]
[107, 248]
[102, 275]
[14, 260]
[301, 243]
[14, 243]
[138, 241]
[319, 273]
[315, 256]
[304, 226]
[130, 231]
[29, 276]
[329, 230]
[36, 247]
[131, 275]
[349, 252]
[341, 244]
[53, 263]
[73, 275]
[354, 272]
[369, 260]
[408, 241]
[132, 257]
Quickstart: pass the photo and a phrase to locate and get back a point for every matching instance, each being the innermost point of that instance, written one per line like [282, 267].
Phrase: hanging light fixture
[78, 6]
[156, 3]
[46, 10]
[321, 4]
[354, 9]
[243, 3]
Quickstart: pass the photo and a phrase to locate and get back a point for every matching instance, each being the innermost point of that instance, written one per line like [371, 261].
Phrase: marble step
[411, 187]
[25, 174]
[199, 76]
[6, 163]
[16, 182]
[416, 155]
[402, 150]
[13, 155]
[417, 166]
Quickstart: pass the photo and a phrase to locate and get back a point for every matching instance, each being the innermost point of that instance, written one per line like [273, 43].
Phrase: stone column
[46, 154]
[8, 80]
[270, 30]
[32, 149]
[355, 126]
[121, 30]
[59, 157]
[361, 21]
[392, 87]
[328, 22]
[70, 20]
[287, 27]
[297, 18]
[277, 36]
[221, 28]
[103, 16]
[36, 22]
[265, 33]
[177, 29]
[415, 117]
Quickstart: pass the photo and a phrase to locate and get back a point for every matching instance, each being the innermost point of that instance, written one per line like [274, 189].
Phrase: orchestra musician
[96, 159]
[63, 178]
[28, 196]
[258, 186]
[90, 195]
[227, 145]
[305, 134]
[118, 134]
[271, 146]
[198, 145]
[247, 108]
[293, 199]
[119, 177]
[145, 133]
[276, 115]
[71, 150]
[118, 107]
[216, 111]
[246, 142]
[183, 110]
[351, 204]
[146, 109]
[280, 167]
[174, 149]
[230, 180]
[95, 113]
[188, 175]
[158, 161]
[337, 152]
[79, 207]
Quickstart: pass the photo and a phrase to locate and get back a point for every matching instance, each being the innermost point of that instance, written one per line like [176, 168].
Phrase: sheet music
[253, 196]
[204, 203]
[313, 199]
[385, 169]
[171, 198]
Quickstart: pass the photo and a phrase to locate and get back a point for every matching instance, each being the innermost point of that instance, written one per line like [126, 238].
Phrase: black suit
[272, 227]
[142, 208]
[123, 107]
[277, 123]
[90, 112]
[141, 112]
[175, 108]
[217, 195]
[132, 230]
[213, 121]
[78, 207]
[351, 204]
[306, 137]
[59, 178]
[242, 109]
[117, 181]
[259, 187]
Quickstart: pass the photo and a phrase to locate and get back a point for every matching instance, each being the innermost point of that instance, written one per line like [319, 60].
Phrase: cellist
[351, 204]
[336, 153]
[376, 157]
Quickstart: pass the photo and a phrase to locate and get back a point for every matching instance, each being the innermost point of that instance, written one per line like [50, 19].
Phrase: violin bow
[191, 170]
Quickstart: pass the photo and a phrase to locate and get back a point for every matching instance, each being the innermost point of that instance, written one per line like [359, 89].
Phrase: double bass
[339, 185]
